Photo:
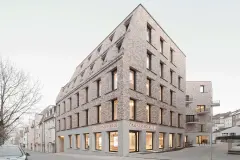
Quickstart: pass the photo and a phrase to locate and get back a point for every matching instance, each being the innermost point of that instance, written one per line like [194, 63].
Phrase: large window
[114, 109]
[171, 76]
[171, 97]
[98, 141]
[114, 80]
[99, 88]
[149, 140]
[202, 88]
[149, 61]
[132, 79]
[148, 109]
[161, 45]
[77, 96]
[178, 140]
[148, 87]
[160, 115]
[70, 141]
[171, 55]
[99, 117]
[149, 33]
[70, 122]
[133, 141]
[201, 108]
[161, 140]
[78, 141]
[170, 140]
[171, 118]
[132, 109]
[161, 93]
[86, 94]
[113, 141]
[190, 118]
[77, 115]
[87, 140]
[70, 103]
[161, 69]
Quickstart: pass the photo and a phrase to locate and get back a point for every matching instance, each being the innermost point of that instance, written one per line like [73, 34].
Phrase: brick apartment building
[127, 96]
[198, 111]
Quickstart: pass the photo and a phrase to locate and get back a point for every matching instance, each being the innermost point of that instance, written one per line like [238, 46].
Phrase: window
[87, 117]
[70, 122]
[161, 45]
[171, 117]
[179, 120]
[111, 37]
[77, 115]
[179, 82]
[149, 61]
[132, 109]
[99, 88]
[59, 125]
[170, 140]
[179, 140]
[77, 96]
[70, 103]
[171, 76]
[161, 69]
[89, 58]
[133, 141]
[64, 123]
[201, 128]
[149, 140]
[202, 88]
[171, 97]
[132, 79]
[86, 137]
[113, 141]
[161, 93]
[127, 23]
[201, 108]
[171, 55]
[148, 87]
[59, 109]
[148, 109]
[91, 66]
[77, 141]
[114, 80]
[161, 140]
[70, 141]
[99, 48]
[114, 109]
[99, 114]
[98, 141]
[64, 107]
[119, 45]
[86, 94]
[190, 118]
[160, 115]
[103, 57]
[149, 33]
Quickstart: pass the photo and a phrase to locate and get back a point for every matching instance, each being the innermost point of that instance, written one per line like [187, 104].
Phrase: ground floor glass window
[161, 140]
[77, 141]
[98, 141]
[86, 136]
[178, 140]
[113, 141]
[149, 140]
[170, 140]
[133, 141]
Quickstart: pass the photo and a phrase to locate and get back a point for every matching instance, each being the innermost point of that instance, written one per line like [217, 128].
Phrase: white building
[228, 121]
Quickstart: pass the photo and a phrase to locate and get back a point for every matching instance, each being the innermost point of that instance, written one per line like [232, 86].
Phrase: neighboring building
[228, 121]
[236, 118]
[198, 114]
[128, 95]
[31, 136]
[25, 137]
[49, 130]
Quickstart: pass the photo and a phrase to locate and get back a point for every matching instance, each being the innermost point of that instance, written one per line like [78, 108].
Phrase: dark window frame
[70, 122]
[149, 82]
[98, 114]
[78, 98]
[171, 97]
[161, 118]
[149, 58]
[179, 120]
[171, 118]
[86, 117]
[70, 102]
[161, 45]
[113, 110]
[149, 112]
[161, 90]
[86, 96]
[162, 69]
[99, 88]
[77, 119]
[171, 76]
[171, 55]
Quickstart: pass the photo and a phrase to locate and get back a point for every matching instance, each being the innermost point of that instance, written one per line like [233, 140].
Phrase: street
[196, 153]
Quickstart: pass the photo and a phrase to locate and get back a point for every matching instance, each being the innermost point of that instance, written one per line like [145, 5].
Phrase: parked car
[12, 152]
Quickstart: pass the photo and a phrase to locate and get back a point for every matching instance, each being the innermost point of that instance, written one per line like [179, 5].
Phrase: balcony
[215, 103]
[204, 111]
[188, 99]
[192, 121]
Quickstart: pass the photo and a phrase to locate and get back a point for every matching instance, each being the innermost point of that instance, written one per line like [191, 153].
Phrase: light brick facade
[131, 55]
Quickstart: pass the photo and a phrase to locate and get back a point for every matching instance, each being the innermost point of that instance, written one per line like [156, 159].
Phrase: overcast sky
[49, 38]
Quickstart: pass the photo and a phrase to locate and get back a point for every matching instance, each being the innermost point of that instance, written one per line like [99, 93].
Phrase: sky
[49, 38]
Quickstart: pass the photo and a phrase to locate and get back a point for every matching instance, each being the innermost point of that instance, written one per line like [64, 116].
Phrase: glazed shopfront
[121, 138]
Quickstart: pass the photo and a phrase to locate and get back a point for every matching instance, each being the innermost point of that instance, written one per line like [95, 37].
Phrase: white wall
[228, 122]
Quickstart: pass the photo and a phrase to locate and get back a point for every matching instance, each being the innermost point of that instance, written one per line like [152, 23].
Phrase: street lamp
[214, 104]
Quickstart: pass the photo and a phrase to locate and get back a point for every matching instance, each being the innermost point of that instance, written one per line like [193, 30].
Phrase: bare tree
[18, 94]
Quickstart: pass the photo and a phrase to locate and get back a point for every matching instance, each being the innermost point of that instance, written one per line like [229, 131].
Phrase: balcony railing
[202, 111]
[215, 103]
[191, 121]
